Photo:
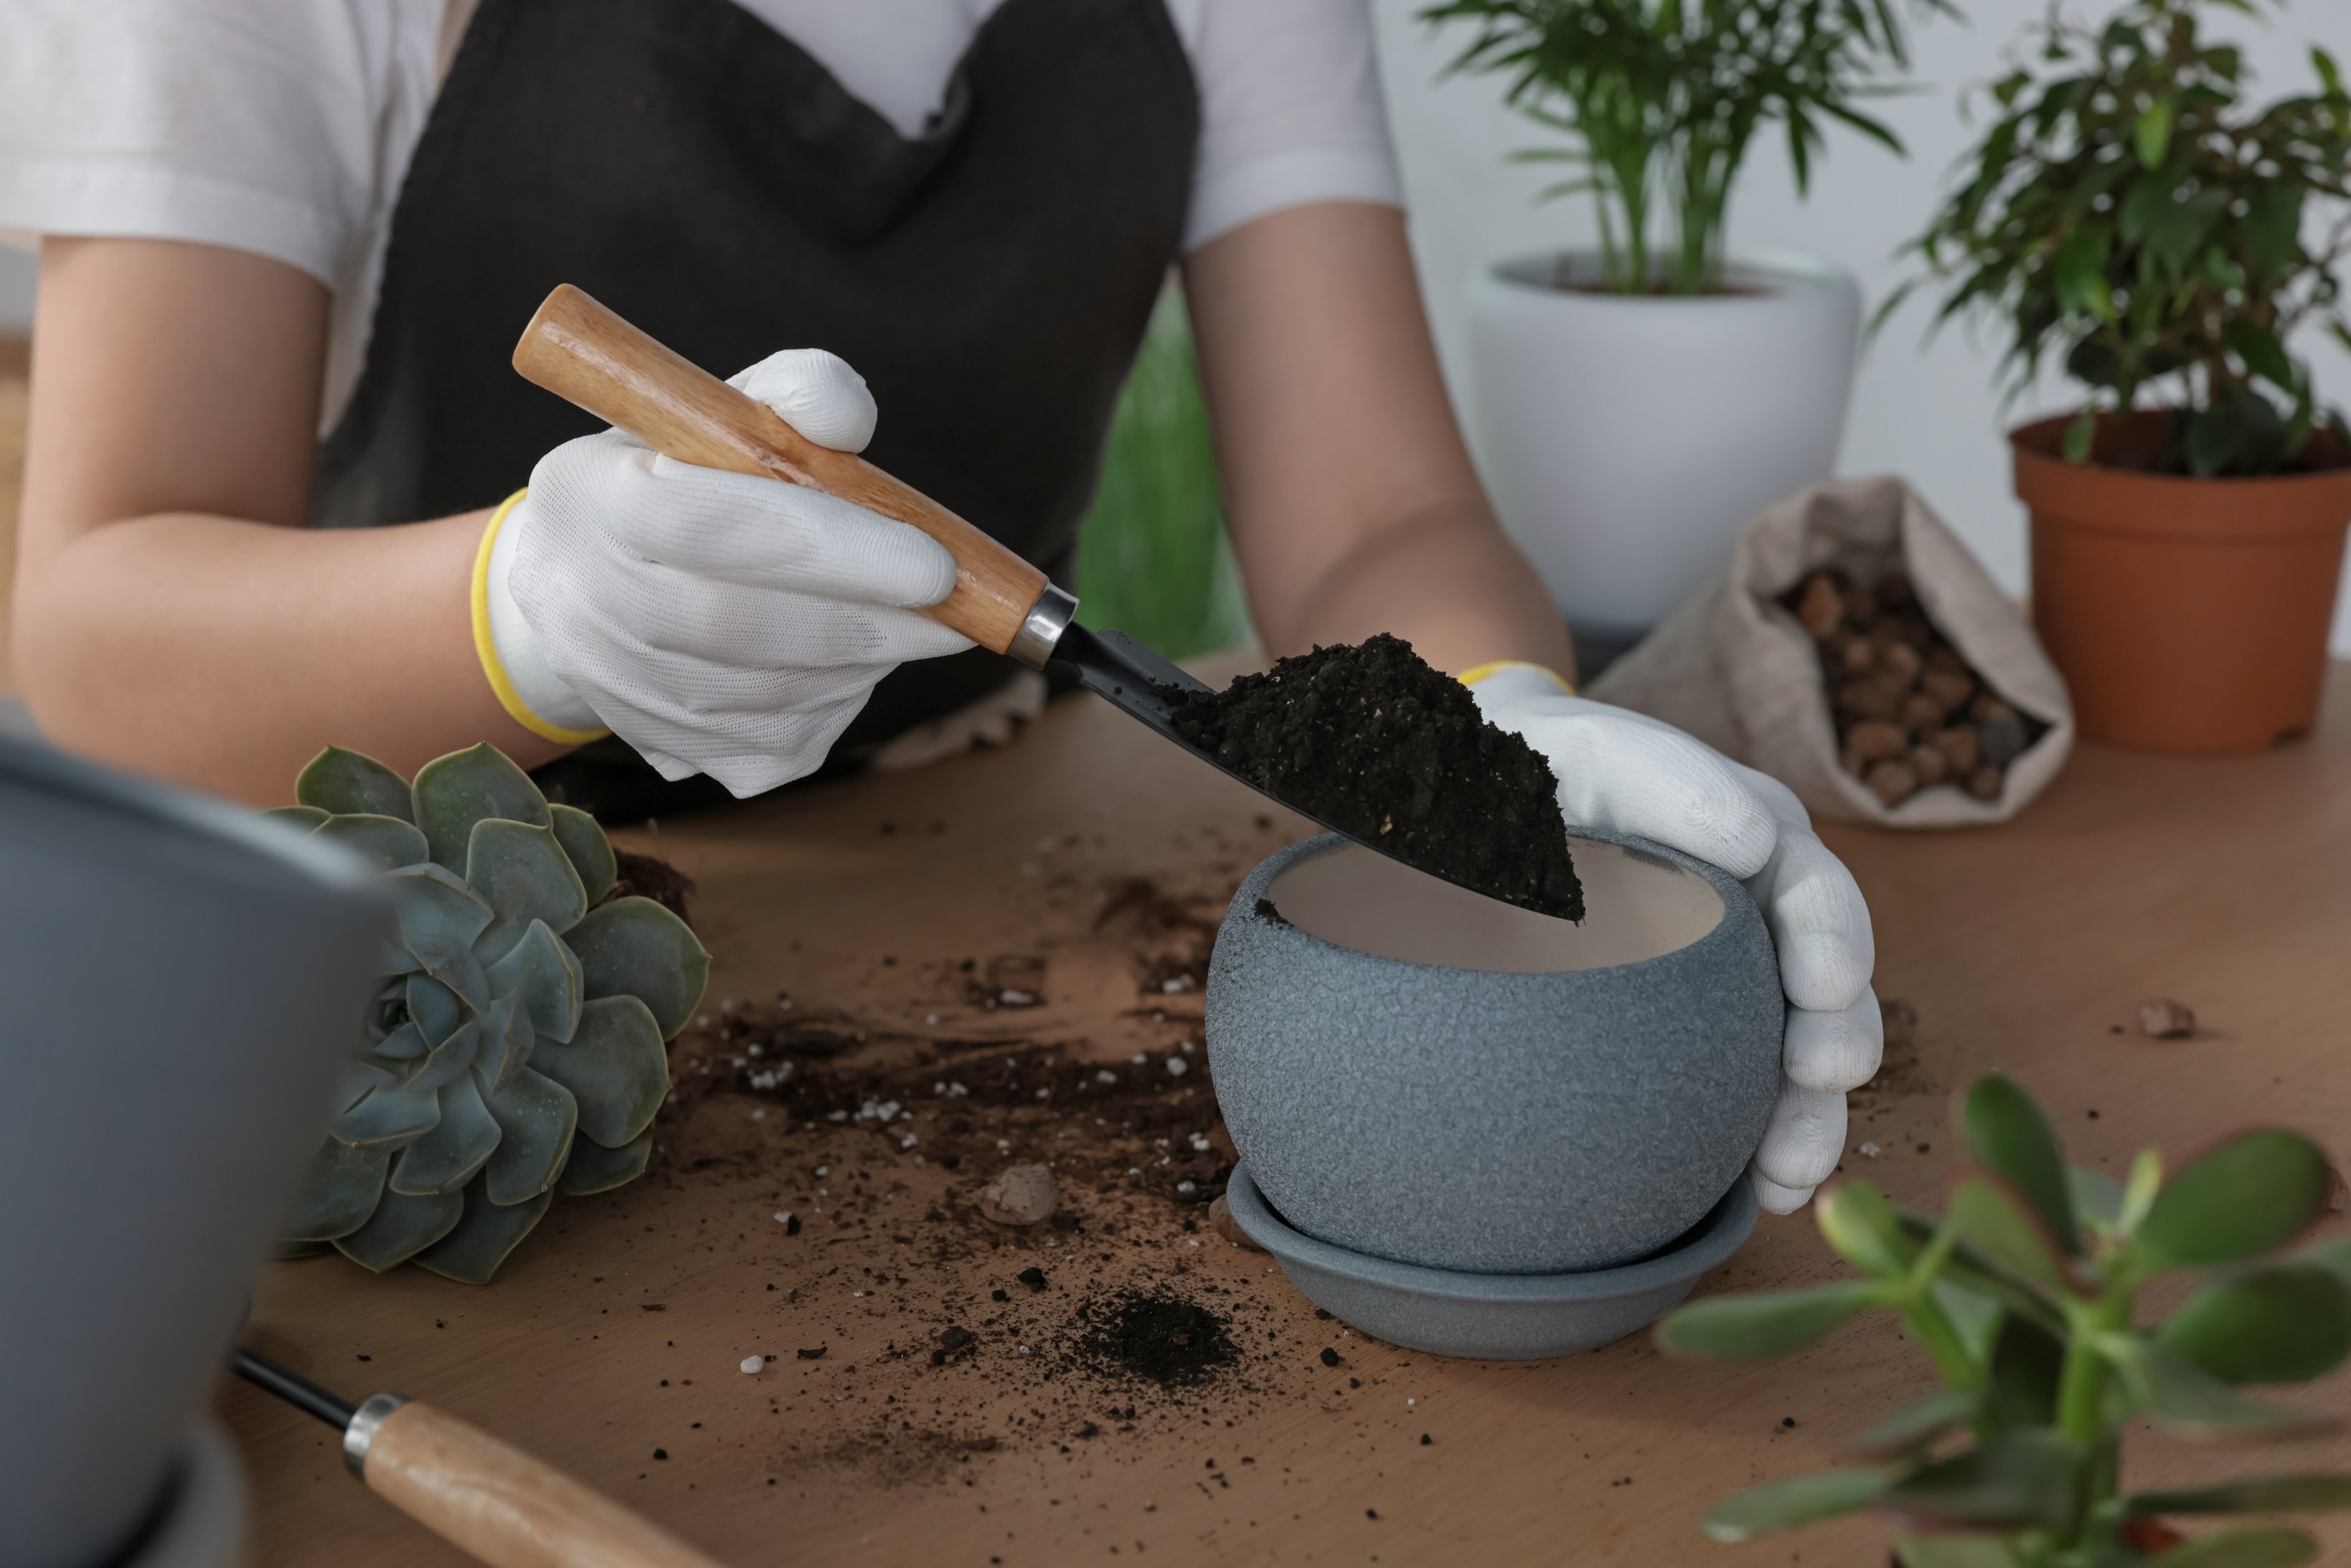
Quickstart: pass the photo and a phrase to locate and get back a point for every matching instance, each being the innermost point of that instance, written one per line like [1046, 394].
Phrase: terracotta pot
[2185, 614]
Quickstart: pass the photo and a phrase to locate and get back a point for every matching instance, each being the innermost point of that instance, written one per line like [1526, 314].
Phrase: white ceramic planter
[1626, 439]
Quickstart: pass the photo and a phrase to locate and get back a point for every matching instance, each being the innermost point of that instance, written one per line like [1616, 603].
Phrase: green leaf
[2082, 435]
[391, 1118]
[2274, 229]
[340, 1191]
[435, 910]
[2017, 1481]
[2152, 134]
[593, 1168]
[2140, 1189]
[2188, 1402]
[2004, 1234]
[2008, 1134]
[2287, 1322]
[2334, 1255]
[484, 1237]
[2021, 1384]
[614, 1065]
[542, 972]
[523, 874]
[1859, 1223]
[1782, 1505]
[633, 948]
[303, 817]
[2254, 1494]
[1757, 1327]
[505, 1042]
[2240, 1549]
[433, 1009]
[2245, 1197]
[2329, 73]
[1919, 1423]
[345, 783]
[455, 791]
[450, 1057]
[459, 1144]
[2097, 1199]
[591, 852]
[537, 1117]
[399, 1228]
[2080, 271]
[387, 841]
[2262, 353]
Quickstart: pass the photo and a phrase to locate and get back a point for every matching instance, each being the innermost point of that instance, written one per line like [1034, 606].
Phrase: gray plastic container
[179, 984]
[1417, 1073]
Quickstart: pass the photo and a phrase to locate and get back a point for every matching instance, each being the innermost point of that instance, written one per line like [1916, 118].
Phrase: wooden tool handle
[584, 353]
[503, 1506]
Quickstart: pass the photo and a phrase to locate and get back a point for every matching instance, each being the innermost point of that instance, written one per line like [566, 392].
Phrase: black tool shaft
[292, 1387]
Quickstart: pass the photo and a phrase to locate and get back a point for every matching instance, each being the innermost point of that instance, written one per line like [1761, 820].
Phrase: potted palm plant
[2130, 216]
[1635, 404]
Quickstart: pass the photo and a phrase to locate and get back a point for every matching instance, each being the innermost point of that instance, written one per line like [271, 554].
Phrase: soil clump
[1371, 739]
[1156, 1334]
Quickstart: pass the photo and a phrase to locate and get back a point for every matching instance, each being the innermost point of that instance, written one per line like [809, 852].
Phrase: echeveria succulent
[515, 1049]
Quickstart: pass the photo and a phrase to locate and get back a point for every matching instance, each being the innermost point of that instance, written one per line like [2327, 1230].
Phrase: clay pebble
[2160, 1018]
[1022, 1195]
[1221, 1221]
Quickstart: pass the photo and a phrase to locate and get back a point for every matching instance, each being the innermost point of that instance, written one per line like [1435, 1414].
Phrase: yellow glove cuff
[1476, 672]
[485, 646]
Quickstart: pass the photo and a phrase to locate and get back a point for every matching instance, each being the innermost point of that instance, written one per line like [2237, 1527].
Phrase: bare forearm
[1446, 580]
[223, 654]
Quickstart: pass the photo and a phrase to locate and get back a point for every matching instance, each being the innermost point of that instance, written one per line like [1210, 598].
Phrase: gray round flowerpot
[1420, 1073]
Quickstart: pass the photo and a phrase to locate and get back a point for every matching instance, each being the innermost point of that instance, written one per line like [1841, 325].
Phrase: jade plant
[2027, 1295]
[2131, 216]
[516, 1047]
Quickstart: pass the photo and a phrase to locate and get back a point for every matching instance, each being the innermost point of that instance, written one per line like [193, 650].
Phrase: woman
[264, 221]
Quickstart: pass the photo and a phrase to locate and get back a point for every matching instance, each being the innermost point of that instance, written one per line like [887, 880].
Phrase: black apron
[710, 181]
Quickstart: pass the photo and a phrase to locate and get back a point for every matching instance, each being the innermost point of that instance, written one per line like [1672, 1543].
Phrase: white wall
[1928, 411]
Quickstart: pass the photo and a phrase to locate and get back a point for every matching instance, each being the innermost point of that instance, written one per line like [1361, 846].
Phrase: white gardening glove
[1627, 773]
[719, 623]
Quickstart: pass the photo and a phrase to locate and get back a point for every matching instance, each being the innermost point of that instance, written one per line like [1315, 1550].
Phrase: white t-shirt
[285, 126]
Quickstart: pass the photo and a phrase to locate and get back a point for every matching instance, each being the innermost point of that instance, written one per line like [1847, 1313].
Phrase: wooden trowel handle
[500, 1504]
[584, 353]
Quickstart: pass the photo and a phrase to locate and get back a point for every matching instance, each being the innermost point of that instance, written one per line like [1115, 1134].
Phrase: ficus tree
[2130, 215]
[2026, 1294]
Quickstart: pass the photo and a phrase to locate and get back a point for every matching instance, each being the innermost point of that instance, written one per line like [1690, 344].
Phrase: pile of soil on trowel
[1371, 739]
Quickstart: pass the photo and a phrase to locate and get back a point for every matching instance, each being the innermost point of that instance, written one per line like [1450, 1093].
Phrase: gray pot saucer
[1492, 1317]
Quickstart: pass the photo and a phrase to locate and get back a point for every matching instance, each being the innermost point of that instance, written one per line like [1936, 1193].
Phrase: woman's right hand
[717, 622]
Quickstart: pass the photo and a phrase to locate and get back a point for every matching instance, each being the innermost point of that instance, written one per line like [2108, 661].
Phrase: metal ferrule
[1040, 633]
[360, 1435]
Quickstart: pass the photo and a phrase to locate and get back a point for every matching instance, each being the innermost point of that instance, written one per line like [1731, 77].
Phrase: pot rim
[1258, 884]
[2173, 506]
[1777, 272]
[1721, 1232]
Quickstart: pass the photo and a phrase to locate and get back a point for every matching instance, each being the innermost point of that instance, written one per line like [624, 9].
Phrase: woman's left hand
[1626, 773]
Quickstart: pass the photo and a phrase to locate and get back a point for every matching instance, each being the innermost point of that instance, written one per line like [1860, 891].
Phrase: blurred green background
[1153, 560]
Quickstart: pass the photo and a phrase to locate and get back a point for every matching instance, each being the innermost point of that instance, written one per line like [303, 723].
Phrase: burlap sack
[1735, 669]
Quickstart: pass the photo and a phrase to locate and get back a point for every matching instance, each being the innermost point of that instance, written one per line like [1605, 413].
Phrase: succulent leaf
[403, 1044]
[484, 1236]
[340, 1192]
[633, 948]
[401, 1228]
[436, 909]
[461, 1143]
[2285, 1323]
[615, 1066]
[524, 875]
[541, 971]
[506, 1041]
[2237, 1200]
[348, 783]
[433, 1009]
[457, 968]
[450, 1059]
[455, 791]
[387, 840]
[303, 817]
[591, 852]
[389, 1118]
[593, 1168]
[361, 1078]
[535, 1117]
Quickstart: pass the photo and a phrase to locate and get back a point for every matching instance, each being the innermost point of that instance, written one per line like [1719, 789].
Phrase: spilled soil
[1371, 739]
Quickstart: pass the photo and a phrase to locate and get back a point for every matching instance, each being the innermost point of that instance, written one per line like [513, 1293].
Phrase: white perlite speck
[1177, 1067]
[783, 1217]
[752, 1365]
[1871, 1150]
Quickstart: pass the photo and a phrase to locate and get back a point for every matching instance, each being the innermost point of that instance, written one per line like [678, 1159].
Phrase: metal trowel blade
[1128, 675]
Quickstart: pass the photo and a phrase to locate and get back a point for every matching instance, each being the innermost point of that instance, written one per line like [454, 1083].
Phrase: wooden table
[2221, 882]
